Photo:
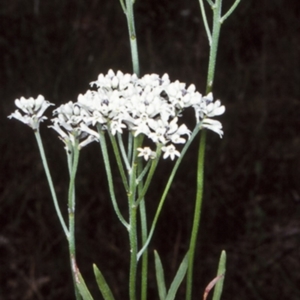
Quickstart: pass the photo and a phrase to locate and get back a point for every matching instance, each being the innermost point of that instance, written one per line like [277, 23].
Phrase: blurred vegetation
[252, 195]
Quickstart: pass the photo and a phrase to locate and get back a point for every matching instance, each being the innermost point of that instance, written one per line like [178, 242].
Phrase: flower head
[213, 125]
[170, 151]
[32, 109]
[68, 124]
[146, 153]
[151, 106]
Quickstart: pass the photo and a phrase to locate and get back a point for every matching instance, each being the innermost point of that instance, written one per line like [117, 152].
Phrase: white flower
[159, 127]
[174, 132]
[113, 81]
[116, 126]
[207, 108]
[146, 152]
[33, 110]
[142, 127]
[68, 124]
[170, 151]
[90, 131]
[213, 125]
[70, 115]
[214, 109]
[177, 139]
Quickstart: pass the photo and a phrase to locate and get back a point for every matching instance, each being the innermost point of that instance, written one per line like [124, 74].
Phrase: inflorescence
[150, 105]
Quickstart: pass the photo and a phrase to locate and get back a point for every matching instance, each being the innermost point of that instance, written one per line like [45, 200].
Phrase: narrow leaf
[178, 278]
[221, 273]
[218, 280]
[102, 284]
[160, 277]
[211, 285]
[83, 290]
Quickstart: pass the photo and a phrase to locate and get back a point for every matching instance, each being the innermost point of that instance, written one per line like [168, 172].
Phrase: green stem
[143, 172]
[150, 174]
[144, 231]
[71, 210]
[129, 146]
[118, 159]
[197, 214]
[132, 37]
[133, 252]
[123, 6]
[167, 187]
[103, 147]
[200, 171]
[204, 18]
[230, 11]
[213, 43]
[214, 39]
[132, 223]
[217, 8]
[125, 155]
[50, 183]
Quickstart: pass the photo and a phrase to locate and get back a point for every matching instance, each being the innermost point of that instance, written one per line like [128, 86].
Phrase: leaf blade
[102, 284]
[160, 277]
[221, 272]
[83, 290]
[178, 278]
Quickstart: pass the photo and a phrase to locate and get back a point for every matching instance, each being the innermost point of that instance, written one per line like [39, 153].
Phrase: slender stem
[129, 147]
[210, 2]
[123, 151]
[197, 214]
[118, 159]
[144, 232]
[103, 147]
[50, 183]
[230, 11]
[132, 223]
[133, 253]
[71, 210]
[204, 18]
[217, 8]
[123, 6]
[143, 172]
[132, 37]
[167, 187]
[150, 174]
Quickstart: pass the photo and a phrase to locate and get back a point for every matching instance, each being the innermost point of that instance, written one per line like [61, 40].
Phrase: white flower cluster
[33, 110]
[69, 122]
[151, 105]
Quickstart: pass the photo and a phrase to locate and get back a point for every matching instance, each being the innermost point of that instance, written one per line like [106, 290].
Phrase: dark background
[252, 195]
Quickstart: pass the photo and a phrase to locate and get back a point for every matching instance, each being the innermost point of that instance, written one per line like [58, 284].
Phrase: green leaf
[178, 278]
[160, 277]
[102, 284]
[221, 273]
[83, 290]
